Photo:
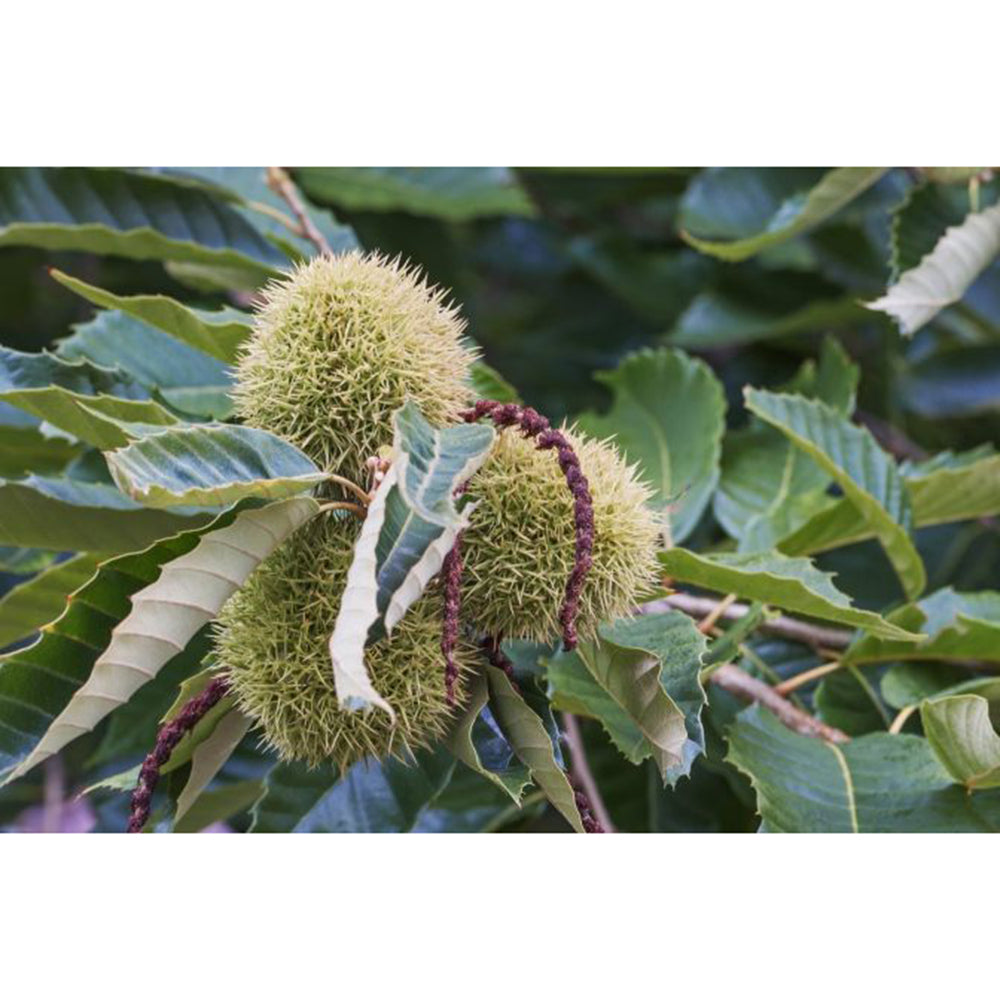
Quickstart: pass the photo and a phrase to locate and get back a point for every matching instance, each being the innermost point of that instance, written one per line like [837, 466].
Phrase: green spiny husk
[273, 638]
[340, 345]
[519, 550]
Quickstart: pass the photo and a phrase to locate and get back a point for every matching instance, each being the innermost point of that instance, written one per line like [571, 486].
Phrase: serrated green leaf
[768, 487]
[944, 275]
[667, 416]
[210, 465]
[792, 584]
[123, 626]
[960, 731]
[454, 193]
[958, 627]
[62, 514]
[78, 397]
[269, 212]
[218, 334]
[940, 495]
[526, 733]
[411, 525]
[24, 450]
[475, 741]
[130, 214]
[650, 666]
[797, 214]
[867, 475]
[219, 804]
[572, 688]
[27, 607]
[372, 797]
[879, 783]
[186, 378]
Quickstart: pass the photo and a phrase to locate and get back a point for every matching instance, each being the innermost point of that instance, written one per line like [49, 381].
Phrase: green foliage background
[706, 281]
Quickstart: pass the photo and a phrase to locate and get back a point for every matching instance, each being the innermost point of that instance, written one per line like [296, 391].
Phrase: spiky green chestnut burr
[519, 550]
[340, 345]
[273, 639]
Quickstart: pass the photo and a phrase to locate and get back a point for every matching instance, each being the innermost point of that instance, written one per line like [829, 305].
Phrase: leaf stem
[800, 680]
[896, 726]
[360, 493]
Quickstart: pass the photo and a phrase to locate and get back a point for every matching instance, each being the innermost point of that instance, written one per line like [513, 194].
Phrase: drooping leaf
[668, 416]
[573, 689]
[919, 221]
[210, 465]
[28, 607]
[867, 475]
[456, 194]
[527, 734]
[945, 274]
[958, 627]
[63, 514]
[209, 757]
[218, 334]
[962, 735]
[650, 666]
[372, 797]
[477, 742]
[879, 783]
[796, 214]
[123, 626]
[130, 214]
[793, 584]
[411, 526]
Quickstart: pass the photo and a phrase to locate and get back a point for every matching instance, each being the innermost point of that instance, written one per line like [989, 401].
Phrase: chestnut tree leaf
[411, 525]
[210, 465]
[945, 274]
[668, 417]
[125, 624]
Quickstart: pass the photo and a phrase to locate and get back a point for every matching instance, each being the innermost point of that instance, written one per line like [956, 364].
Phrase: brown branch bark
[781, 625]
[281, 184]
[740, 683]
[581, 773]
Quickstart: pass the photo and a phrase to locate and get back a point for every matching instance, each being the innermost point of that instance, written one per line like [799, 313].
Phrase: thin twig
[740, 683]
[707, 624]
[581, 773]
[781, 625]
[800, 680]
[281, 184]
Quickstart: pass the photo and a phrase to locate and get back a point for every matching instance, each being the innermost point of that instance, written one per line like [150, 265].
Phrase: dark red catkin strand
[168, 737]
[495, 654]
[533, 425]
[452, 570]
[591, 824]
